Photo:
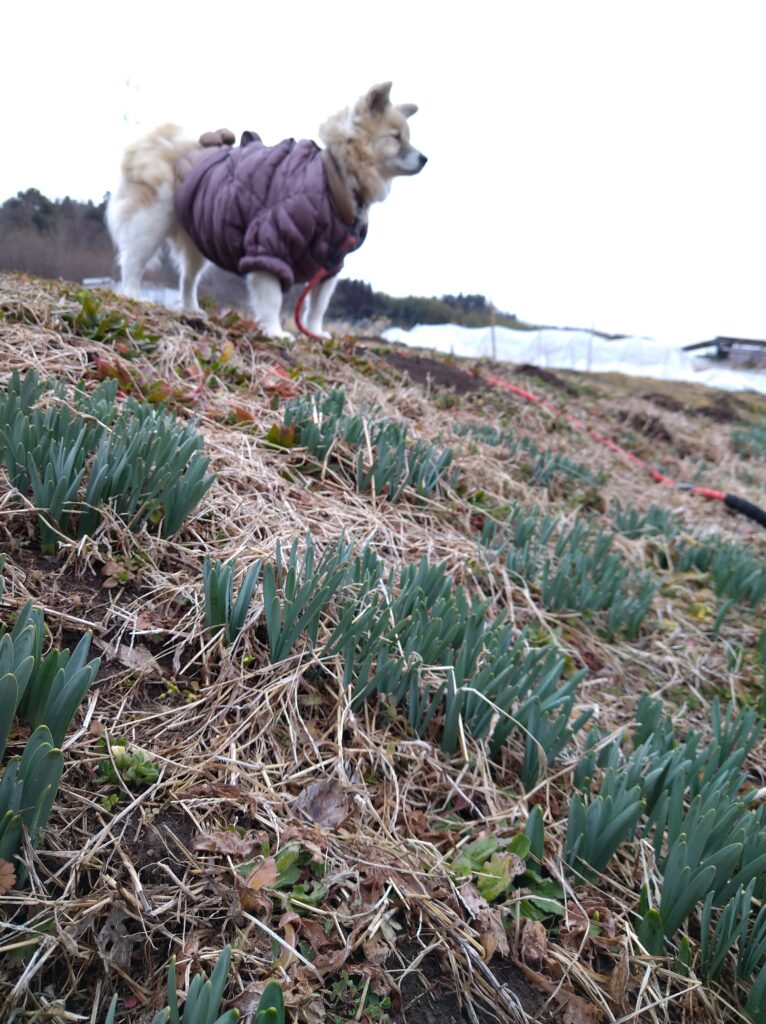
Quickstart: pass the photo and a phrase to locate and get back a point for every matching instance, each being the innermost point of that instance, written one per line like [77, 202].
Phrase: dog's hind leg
[319, 300]
[266, 302]
[191, 263]
[138, 235]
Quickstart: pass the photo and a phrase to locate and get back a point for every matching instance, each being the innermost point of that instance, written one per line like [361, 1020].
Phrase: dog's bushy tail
[150, 169]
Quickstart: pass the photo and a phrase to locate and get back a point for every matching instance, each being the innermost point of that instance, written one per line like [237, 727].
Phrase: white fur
[370, 145]
[266, 301]
[318, 301]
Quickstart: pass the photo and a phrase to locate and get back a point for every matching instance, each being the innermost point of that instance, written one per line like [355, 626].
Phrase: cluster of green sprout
[203, 1000]
[574, 568]
[413, 638]
[383, 457]
[737, 574]
[80, 454]
[692, 803]
[751, 441]
[656, 522]
[540, 465]
[44, 692]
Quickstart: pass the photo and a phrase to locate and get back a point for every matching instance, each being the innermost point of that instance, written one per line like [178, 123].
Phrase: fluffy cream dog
[274, 214]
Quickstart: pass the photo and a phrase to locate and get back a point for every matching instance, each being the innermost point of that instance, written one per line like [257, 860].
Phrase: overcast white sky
[590, 163]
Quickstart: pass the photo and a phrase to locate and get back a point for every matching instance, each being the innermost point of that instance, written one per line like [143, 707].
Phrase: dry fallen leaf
[247, 1001]
[575, 1009]
[574, 929]
[489, 921]
[114, 942]
[493, 935]
[619, 980]
[224, 791]
[138, 659]
[324, 802]
[376, 951]
[7, 876]
[308, 838]
[288, 923]
[472, 898]
[227, 842]
[578, 1011]
[263, 876]
[315, 934]
[534, 943]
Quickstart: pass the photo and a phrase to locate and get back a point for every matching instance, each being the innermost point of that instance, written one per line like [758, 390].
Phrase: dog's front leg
[319, 300]
[266, 302]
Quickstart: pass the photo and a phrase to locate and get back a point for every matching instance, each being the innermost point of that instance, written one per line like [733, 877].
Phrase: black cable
[746, 508]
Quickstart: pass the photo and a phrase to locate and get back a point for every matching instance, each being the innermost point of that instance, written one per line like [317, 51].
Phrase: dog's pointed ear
[378, 98]
[407, 109]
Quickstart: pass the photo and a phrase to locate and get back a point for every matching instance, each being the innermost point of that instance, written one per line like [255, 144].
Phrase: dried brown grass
[113, 894]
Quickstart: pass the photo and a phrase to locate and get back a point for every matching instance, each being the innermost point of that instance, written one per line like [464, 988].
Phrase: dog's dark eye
[398, 136]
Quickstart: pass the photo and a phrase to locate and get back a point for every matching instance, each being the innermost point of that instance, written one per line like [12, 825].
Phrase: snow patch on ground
[581, 350]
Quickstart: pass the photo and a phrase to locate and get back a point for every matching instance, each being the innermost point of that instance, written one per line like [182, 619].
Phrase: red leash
[332, 266]
[731, 501]
[320, 275]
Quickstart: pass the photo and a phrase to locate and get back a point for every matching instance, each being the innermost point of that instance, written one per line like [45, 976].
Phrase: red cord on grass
[659, 478]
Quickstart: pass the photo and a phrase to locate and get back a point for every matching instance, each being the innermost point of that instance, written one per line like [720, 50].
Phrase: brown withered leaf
[371, 885]
[488, 921]
[493, 936]
[289, 923]
[7, 876]
[315, 934]
[376, 950]
[309, 839]
[138, 659]
[619, 980]
[573, 931]
[324, 803]
[229, 843]
[473, 900]
[247, 1001]
[575, 1009]
[330, 963]
[263, 876]
[578, 1011]
[224, 791]
[254, 901]
[114, 942]
[534, 943]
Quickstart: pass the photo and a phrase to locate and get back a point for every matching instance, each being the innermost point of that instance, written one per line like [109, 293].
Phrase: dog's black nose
[423, 161]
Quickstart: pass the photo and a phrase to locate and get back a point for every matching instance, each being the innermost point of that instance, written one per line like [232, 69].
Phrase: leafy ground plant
[131, 769]
[93, 320]
[709, 843]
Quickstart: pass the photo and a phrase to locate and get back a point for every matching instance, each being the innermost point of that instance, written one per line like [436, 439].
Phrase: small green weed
[95, 321]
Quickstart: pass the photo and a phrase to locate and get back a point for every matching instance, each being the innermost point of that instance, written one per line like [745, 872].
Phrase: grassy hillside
[484, 743]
